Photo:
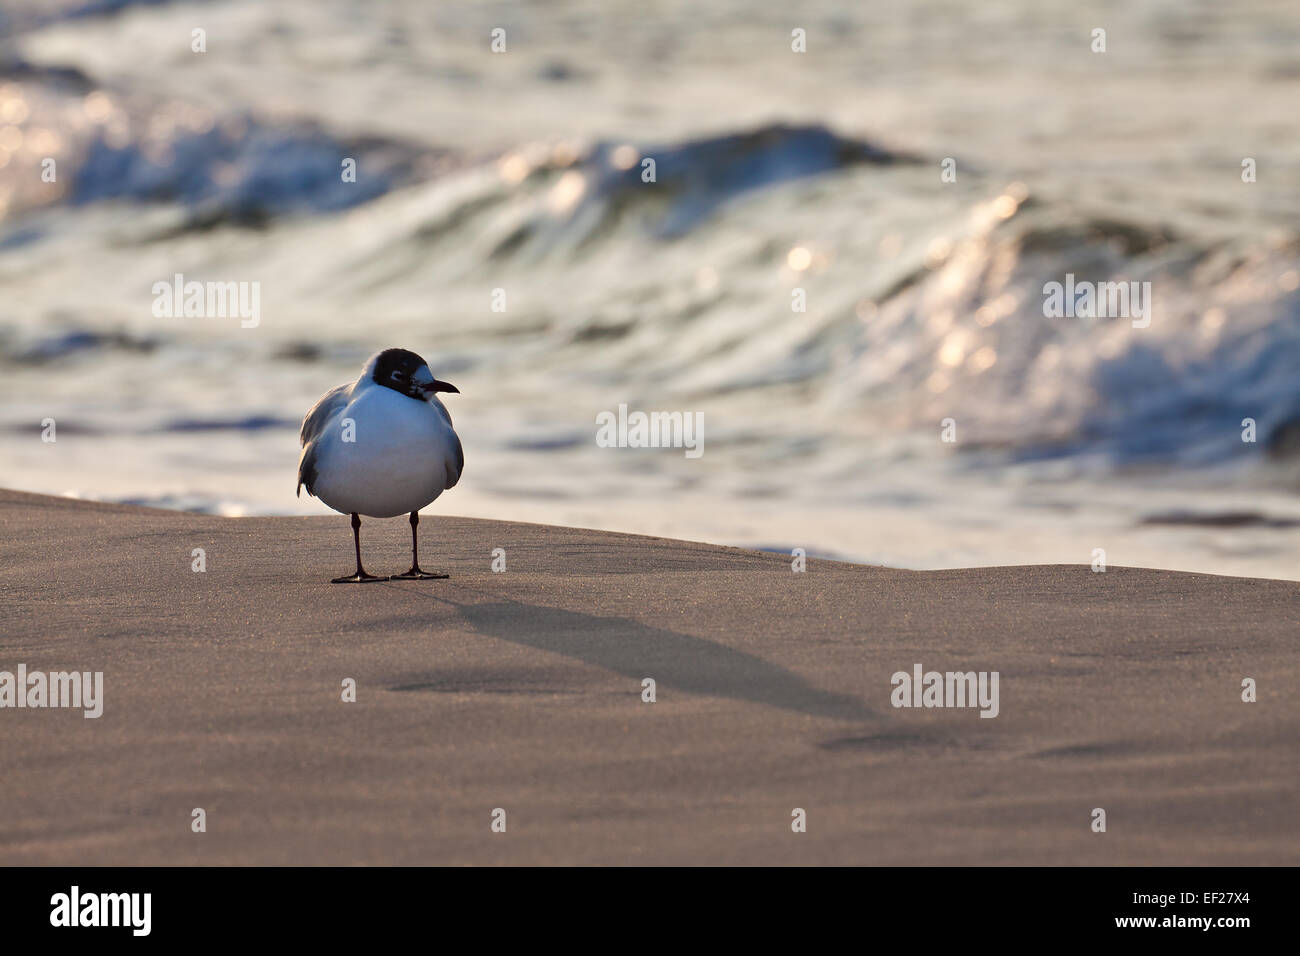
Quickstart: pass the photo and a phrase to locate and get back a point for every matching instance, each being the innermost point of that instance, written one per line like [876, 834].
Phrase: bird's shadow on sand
[676, 661]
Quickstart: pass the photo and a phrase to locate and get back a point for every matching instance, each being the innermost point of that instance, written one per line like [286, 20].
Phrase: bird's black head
[406, 372]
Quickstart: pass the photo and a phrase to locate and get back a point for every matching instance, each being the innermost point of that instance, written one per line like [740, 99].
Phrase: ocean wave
[928, 300]
[235, 168]
[667, 189]
[27, 15]
[972, 339]
[239, 171]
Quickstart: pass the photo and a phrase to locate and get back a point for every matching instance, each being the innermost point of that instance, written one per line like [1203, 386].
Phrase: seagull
[380, 447]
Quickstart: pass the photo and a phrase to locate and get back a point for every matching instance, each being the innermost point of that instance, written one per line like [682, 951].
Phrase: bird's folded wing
[455, 468]
[307, 470]
[320, 413]
[312, 426]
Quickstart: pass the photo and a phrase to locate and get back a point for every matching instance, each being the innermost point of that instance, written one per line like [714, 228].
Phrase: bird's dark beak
[437, 386]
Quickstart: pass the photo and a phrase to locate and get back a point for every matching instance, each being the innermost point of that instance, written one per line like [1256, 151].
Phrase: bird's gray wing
[454, 468]
[312, 426]
[453, 472]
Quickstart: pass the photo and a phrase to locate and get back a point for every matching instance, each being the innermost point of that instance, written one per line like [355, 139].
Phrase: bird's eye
[397, 376]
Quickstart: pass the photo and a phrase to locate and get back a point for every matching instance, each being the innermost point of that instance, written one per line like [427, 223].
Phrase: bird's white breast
[396, 461]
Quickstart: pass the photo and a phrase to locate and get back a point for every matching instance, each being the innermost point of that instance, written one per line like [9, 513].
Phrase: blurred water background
[821, 171]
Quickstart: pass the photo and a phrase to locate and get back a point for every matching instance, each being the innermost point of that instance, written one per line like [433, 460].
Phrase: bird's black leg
[415, 574]
[360, 577]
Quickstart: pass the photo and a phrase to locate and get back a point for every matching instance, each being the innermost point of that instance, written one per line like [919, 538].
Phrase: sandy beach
[522, 691]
